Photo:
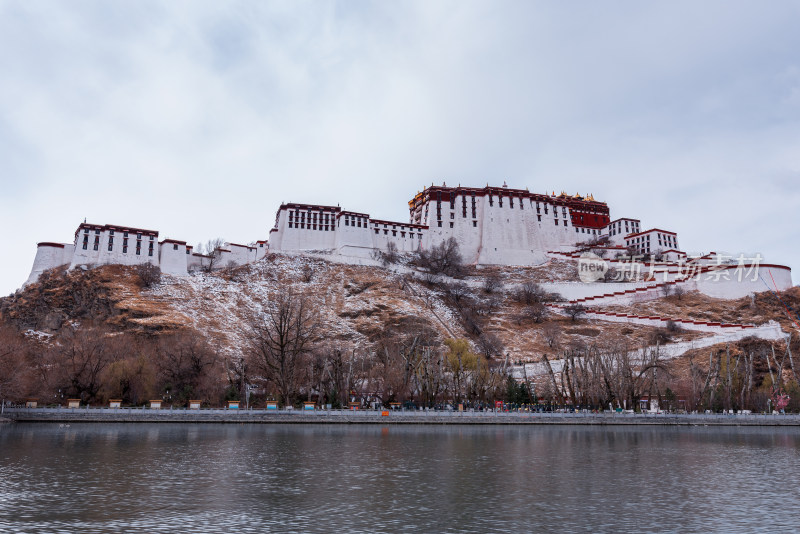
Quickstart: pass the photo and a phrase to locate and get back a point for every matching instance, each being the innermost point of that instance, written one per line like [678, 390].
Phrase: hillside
[356, 304]
[192, 336]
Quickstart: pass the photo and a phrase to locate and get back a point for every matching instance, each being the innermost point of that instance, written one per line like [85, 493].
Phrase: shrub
[492, 283]
[149, 275]
[574, 311]
[444, 258]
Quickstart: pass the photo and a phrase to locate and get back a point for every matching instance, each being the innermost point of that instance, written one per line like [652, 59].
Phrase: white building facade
[492, 226]
[96, 245]
[655, 241]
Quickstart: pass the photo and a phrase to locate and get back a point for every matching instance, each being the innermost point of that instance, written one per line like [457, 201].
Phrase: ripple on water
[207, 478]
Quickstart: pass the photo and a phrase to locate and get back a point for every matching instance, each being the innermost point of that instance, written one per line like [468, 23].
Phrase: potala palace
[492, 225]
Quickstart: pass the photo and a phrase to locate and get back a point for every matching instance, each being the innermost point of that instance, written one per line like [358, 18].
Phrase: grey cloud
[198, 118]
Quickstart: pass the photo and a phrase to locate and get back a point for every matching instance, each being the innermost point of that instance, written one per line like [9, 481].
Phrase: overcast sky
[198, 119]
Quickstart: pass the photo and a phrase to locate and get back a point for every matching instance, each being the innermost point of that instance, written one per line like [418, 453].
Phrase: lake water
[151, 478]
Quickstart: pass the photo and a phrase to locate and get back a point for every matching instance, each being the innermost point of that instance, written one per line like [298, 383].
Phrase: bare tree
[149, 275]
[531, 292]
[279, 339]
[678, 291]
[551, 334]
[133, 377]
[444, 258]
[574, 311]
[387, 257]
[458, 292]
[391, 376]
[212, 250]
[81, 357]
[490, 345]
[307, 273]
[12, 364]
[492, 283]
[185, 363]
[536, 312]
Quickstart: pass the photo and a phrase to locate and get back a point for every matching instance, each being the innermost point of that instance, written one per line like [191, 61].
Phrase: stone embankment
[137, 415]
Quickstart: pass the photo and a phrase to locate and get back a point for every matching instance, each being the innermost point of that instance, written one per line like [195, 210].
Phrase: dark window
[474, 224]
[556, 221]
[451, 225]
[110, 244]
[440, 224]
[174, 246]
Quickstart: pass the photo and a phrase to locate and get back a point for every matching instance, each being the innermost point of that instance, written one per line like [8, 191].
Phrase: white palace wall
[96, 245]
[493, 226]
[173, 257]
[406, 237]
[352, 236]
[50, 256]
[732, 284]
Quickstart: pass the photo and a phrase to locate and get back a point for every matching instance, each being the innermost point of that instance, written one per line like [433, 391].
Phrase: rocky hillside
[356, 305]
[120, 332]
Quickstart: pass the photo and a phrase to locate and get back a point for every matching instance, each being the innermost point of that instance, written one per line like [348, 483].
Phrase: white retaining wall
[173, 258]
[50, 256]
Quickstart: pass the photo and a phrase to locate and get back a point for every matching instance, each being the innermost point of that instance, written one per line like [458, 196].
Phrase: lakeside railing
[405, 414]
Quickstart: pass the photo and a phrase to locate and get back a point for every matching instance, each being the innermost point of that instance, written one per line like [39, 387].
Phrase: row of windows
[96, 244]
[355, 221]
[586, 230]
[667, 240]
[111, 233]
[394, 233]
[452, 224]
[629, 228]
[312, 226]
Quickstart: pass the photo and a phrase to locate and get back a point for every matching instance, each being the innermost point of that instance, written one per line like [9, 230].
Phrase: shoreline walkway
[391, 417]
